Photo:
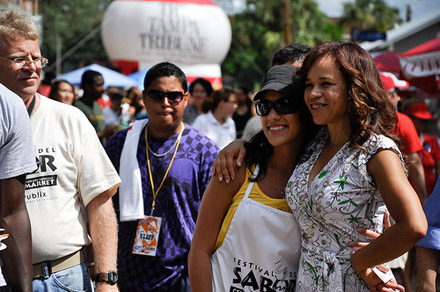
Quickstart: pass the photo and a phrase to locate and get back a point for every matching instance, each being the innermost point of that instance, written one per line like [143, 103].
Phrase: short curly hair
[165, 69]
[369, 108]
[14, 23]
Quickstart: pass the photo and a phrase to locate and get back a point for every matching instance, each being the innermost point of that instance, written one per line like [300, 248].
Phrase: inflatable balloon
[195, 35]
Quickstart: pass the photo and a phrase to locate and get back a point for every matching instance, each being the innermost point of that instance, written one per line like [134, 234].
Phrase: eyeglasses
[22, 61]
[158, 96]
[282, 106]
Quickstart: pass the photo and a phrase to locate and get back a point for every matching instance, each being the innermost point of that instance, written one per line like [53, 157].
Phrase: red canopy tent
[421, 66]
[388, 62]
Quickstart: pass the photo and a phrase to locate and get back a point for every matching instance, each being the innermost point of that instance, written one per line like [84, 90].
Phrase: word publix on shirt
[36, 195]
[269, 281]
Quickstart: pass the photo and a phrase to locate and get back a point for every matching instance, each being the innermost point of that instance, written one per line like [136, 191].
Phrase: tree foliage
[370, 15]
[70, 21]
[258, 33]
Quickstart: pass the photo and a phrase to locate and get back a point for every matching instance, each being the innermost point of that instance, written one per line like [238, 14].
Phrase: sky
[333, 8]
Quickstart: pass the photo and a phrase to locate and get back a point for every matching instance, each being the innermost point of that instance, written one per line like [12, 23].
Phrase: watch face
[111, 277]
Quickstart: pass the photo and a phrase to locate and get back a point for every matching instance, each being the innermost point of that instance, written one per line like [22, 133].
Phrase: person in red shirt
[409, 144]
[420, 115]
[412, 148]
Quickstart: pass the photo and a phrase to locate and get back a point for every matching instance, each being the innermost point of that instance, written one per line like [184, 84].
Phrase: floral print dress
[340, 199]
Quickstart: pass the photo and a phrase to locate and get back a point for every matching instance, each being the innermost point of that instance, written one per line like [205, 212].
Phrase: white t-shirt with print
[73, 169]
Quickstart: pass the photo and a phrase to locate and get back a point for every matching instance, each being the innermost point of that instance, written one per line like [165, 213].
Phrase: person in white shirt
[75, 179]
[112, 113]
[217, 123]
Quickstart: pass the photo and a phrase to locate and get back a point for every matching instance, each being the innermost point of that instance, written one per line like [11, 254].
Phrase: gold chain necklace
[169, 150]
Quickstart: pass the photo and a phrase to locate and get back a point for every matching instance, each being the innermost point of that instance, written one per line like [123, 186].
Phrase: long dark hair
[369, 109]
[54, 89]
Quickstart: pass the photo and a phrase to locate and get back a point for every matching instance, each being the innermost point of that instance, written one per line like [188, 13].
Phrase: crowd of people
[220, 114]
[143, 193]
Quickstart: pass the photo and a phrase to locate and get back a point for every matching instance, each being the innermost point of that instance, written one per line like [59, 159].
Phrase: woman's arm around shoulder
[215, 204]
[404, 206]
[228, 159]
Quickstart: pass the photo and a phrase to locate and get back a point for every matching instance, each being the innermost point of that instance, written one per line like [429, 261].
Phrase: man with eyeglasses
[165, 167]
[74, 181]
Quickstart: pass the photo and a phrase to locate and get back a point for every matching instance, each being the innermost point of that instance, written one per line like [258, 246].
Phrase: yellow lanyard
[169, 166]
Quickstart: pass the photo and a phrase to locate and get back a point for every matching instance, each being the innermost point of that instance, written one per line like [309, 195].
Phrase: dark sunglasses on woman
[282, 106]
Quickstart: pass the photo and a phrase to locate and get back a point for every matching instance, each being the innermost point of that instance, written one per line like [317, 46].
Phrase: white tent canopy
[111, 77]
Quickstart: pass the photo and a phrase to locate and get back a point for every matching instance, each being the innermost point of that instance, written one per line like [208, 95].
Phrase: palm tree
[370, 15]
[259, 31]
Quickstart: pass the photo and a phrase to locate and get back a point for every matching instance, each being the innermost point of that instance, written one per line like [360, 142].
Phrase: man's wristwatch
[111, 277]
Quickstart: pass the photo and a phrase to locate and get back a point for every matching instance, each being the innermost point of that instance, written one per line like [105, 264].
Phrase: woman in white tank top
[246, 238]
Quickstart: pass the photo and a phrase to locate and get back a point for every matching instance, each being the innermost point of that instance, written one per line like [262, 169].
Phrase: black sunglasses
[282, 106]
[159, 96]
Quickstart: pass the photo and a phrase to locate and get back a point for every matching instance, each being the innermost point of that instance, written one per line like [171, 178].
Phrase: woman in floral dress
[350, 171]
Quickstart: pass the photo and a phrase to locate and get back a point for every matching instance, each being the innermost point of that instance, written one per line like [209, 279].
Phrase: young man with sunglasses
[165, 167]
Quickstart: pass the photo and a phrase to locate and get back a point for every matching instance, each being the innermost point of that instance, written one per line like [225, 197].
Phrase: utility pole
[35, 7]
[288, 34]
[58, 51]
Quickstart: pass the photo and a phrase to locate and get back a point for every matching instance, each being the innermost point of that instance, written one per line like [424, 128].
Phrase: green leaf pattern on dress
[330, 208]
[341, 182]
[314, 272]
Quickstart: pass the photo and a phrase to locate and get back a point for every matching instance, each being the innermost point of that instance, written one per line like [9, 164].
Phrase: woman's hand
[371, 233]
[369, 276]
[375, 283]
[224, 164]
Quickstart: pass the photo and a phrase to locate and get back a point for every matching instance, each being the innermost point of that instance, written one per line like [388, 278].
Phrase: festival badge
[147, 236]
[3, 237]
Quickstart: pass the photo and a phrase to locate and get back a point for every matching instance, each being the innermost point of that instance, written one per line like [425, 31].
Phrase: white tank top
[260, 252]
